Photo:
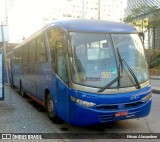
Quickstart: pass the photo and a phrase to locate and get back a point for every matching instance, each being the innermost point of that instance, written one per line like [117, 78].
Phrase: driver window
[61, 61]
[62, 67]
[56, 40]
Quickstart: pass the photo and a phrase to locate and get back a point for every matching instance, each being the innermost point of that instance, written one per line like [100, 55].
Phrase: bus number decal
[106, 74]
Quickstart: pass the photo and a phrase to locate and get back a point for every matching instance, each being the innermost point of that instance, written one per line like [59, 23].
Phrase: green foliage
[157, 67]
[154, 24]
[153, 57]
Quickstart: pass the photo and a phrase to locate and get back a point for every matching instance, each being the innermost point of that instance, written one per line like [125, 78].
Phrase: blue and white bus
[85, 72]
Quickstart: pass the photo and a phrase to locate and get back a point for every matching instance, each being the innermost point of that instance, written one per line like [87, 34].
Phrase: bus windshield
[94, 59]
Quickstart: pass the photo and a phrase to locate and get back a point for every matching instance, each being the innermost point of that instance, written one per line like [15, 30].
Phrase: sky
[25, 17]
[2, 10]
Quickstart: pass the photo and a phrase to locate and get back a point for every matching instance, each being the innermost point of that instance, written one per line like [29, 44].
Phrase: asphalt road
[155, 83]
[22, 115]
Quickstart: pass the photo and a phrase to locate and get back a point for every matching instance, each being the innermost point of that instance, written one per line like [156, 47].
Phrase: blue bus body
[74, 102]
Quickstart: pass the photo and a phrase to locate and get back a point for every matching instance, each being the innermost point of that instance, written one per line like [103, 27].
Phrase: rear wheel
[51, 111]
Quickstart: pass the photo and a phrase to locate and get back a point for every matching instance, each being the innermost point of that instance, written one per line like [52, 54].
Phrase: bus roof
[95, 26]
[80, 25]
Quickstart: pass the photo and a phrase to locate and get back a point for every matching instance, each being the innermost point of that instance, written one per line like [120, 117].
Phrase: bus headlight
[147, 97]
[81, 102]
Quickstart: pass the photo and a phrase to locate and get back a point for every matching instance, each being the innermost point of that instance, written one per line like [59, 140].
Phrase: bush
[153, 57]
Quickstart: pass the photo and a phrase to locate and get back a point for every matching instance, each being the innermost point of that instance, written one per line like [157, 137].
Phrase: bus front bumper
[85, 116]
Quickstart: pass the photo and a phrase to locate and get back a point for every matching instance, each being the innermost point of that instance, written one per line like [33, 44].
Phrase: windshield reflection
[131, 50]
[93, 61]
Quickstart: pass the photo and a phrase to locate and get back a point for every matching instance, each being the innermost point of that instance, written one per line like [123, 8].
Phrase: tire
[50, 110]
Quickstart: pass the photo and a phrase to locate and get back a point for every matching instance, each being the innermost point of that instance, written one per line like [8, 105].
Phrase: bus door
[59, 66]
[62, 85]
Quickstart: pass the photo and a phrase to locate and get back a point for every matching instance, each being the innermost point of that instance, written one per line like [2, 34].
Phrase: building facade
[111, 10]
[37, 13]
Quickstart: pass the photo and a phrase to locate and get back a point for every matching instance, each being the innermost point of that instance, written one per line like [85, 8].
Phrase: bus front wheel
[50, 110]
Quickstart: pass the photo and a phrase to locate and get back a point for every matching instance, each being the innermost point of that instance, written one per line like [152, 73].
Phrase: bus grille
[107, 107]
[135, 104]
[111, 116]
[116, 107]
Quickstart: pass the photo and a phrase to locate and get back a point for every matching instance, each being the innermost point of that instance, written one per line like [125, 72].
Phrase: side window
[32, 51]
[14, 57]
[41, 50]
[17, 56]
[20, 55]
[51, 34]
[62, 67]
[25, 54]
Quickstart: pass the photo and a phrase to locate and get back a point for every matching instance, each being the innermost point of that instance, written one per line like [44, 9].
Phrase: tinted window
[32, 51]
[41, 49]
[56, 43]
[25, 54]
[52, 34]
[15, 56]
[20, 55]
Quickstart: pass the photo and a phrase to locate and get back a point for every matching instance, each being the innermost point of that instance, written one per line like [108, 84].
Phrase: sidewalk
[22, 115]
[155, 84]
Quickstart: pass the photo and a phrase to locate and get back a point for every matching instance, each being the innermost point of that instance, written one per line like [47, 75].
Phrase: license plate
[123, 113]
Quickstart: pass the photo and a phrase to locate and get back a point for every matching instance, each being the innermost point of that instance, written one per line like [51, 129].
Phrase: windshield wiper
[123, 62]
[109, 84]
[120, 69]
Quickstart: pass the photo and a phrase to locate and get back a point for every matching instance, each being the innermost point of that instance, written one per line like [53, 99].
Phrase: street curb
[156, 91]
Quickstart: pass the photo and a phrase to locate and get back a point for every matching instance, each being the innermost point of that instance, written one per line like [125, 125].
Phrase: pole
[6, 65]
[5, 54]
[142, 31]
[83, 9]
[99, 10]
